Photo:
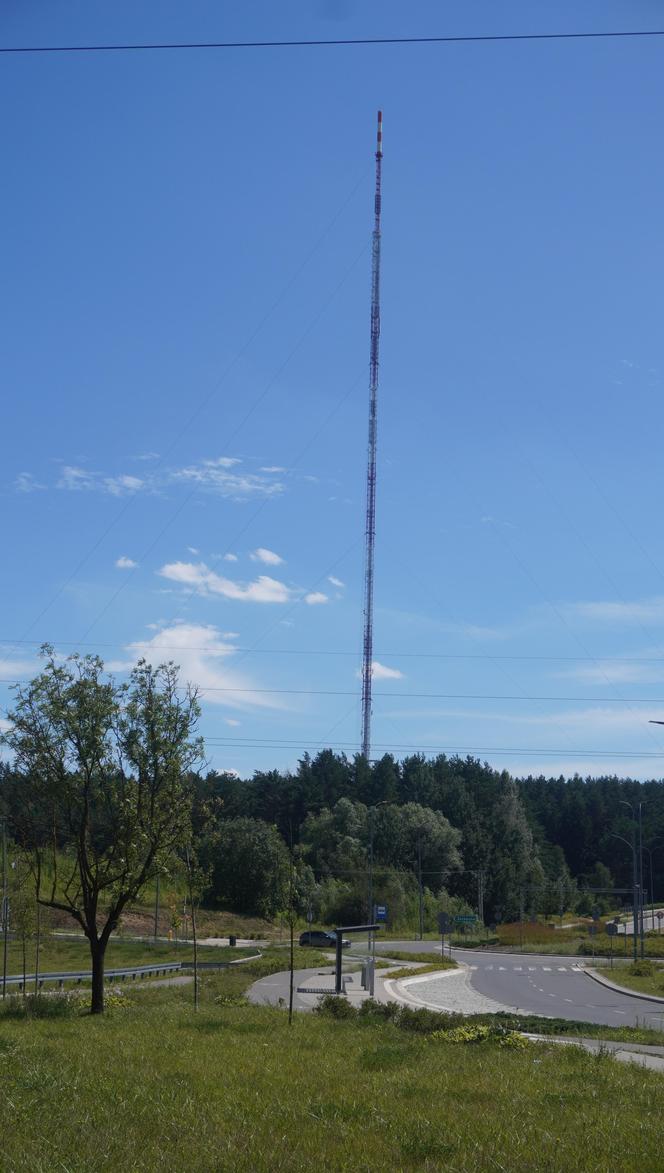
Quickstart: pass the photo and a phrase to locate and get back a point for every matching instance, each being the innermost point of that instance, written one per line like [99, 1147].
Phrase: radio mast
[370, 530]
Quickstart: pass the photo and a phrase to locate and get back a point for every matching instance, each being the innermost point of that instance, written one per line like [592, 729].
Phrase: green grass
[646, 977]
[62, 953]
[154, 1086]
[407, 971]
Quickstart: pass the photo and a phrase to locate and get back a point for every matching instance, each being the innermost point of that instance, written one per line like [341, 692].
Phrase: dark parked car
[322, 939]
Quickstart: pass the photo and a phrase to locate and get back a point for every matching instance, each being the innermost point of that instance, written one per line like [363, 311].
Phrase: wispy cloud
[267, 556]
[26, 483]
[636, 611]
[336, 582]
[207, 582]
[124, 563]
[74, 479]
[118, 486]
[314, 598]
[219, 475]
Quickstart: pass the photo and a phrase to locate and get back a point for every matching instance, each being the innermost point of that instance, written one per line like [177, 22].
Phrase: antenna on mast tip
[379, 134]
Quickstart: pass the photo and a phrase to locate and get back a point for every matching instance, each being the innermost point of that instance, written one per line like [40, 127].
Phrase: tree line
[104, 792]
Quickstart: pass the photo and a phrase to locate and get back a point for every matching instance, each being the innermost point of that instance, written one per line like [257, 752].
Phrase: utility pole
[5, 910]
[370, 522]
[642, 932]
[419, 879]
[480, 896]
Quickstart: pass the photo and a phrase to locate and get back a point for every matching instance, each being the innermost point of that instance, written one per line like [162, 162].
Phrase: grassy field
[61, 953]
[154, 1086]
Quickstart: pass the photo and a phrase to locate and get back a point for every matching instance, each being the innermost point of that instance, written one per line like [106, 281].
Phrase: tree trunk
[97, 953]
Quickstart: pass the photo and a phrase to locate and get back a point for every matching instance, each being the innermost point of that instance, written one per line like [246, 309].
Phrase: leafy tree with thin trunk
[102, 775]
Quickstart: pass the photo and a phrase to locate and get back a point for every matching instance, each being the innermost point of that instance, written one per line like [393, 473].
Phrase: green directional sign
[465, 920]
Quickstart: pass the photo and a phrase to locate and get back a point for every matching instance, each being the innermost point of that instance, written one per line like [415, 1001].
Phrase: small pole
[156, 911]
[37, 947]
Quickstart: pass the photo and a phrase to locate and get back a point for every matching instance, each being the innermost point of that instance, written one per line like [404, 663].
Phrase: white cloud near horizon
[315, 598]
[124, 563]
[203, 655]
[267, 556]
[207, 582]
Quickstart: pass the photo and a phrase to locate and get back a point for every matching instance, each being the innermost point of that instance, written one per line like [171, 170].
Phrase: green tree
[105, 803]
[248, 865]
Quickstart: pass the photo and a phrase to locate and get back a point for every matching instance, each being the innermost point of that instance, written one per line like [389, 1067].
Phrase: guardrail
[83, 975]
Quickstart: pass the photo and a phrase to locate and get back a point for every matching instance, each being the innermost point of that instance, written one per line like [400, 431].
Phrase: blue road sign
[380, 912]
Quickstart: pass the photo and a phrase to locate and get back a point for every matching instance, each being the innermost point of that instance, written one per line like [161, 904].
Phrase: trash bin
[232, 941]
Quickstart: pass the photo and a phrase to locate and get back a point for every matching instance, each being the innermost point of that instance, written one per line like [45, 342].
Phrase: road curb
[621, 989]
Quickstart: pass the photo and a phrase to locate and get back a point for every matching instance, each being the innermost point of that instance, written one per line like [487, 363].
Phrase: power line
[334, 42]
[63, 643]
[448, 696]
[521, 751]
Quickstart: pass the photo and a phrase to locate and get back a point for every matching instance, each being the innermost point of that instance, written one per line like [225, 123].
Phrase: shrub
[336, 1006]
[643, 968]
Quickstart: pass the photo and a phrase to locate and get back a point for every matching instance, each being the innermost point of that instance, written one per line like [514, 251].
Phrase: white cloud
[124, 563]
[207, 582]
[202, 654]
[216, 476]
[193, 550]
[230, 557]
[74, 479]
[272, 468]
[638, 611]
[148, 456]
[267, 556]
[27, 483]
[336, 581]
[117, 486]
[315, 597]
[232, 722]
[382, 672]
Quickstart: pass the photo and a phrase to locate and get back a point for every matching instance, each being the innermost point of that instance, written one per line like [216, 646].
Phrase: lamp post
[638, 927]
[635, 904]
[649, 850]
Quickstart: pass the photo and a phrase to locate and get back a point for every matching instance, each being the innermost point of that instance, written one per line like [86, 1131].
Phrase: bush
[642, 968]
[336, 1006]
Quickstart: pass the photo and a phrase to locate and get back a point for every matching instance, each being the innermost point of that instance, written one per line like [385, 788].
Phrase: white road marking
[569, 999]
[518, 967]
[546, 968]
[532, 968]
[502, 967]
[562, 969]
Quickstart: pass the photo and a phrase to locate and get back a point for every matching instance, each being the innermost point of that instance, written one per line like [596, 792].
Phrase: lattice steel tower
[370, 531]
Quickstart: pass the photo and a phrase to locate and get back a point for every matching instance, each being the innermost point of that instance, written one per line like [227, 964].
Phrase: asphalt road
[541, 984]
[538, 984]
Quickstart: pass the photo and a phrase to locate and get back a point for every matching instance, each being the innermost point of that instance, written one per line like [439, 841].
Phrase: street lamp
[649, 850]
[638, 928]
[635, 904]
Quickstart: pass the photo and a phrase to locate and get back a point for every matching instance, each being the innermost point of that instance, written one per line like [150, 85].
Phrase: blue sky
[185, 365]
